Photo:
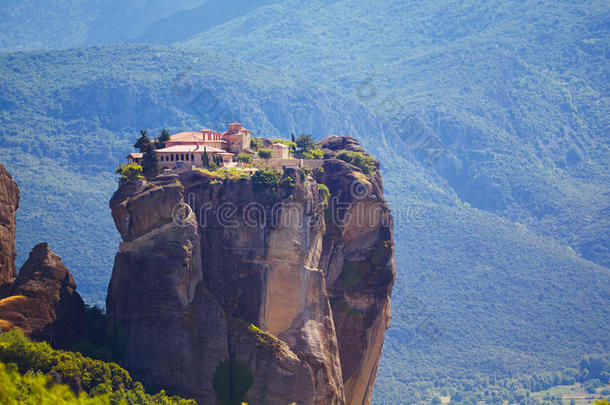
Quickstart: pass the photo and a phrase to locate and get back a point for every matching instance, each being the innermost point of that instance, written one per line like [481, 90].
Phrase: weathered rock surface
[9, 202]
[220, 270]
[43, 300]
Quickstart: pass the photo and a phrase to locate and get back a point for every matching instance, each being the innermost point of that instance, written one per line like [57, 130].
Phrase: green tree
[264, 153]
[143, 141]
[164, 137]
[150, 161]
[205, 159]
[256, 143]
[244, 157]
[305, 142]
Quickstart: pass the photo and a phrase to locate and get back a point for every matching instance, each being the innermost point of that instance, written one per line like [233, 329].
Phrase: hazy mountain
[68, 118]
[515, 90]
[59, 24]
[501, 231]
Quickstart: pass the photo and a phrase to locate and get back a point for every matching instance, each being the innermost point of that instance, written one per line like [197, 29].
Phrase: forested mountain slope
[490, 120]
[68, 118]
[517, 91]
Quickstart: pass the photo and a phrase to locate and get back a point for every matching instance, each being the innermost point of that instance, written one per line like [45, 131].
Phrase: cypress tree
[143, 141]
[150, 161]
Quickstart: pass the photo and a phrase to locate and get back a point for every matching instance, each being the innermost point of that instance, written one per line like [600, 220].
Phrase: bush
[265, 179]
[256, 143]
[288, 183]
[244, 157]
[264, 153]
[315, 153]
[131, 171]
[324, 193]
[366, 163]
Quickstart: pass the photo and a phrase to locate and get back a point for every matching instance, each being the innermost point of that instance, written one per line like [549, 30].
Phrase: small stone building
[280, 151]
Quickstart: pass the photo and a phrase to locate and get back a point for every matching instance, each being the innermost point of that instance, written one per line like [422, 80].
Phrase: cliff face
[42, 300]
[230, 287]
[9, 202]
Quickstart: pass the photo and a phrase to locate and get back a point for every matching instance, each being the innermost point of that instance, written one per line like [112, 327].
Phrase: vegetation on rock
[91, 379]
[364, 162]
[130, 171]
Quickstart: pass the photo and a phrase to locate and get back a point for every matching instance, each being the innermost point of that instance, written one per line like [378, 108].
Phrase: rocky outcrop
[9, 202]
[43, 300]
[230, 287]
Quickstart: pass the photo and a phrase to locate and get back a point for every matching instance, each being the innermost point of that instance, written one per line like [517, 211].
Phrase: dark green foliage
[164, 137]
[231, 382]
[287, 183]
[366, 163]
[97, 378]
[143, 142]
[305, 142]
[150, 161]
[264, 153]
[256, 143]
[205, 158]
[265, 179]
[244, 157]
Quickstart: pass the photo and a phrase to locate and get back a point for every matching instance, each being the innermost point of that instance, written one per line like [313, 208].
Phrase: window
[192, 157]
[172, 157]
[182, 156]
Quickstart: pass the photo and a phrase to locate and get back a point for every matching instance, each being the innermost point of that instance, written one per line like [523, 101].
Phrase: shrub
[256, 143]
[366, 163]
[287, 183]
[265, 179]
[130, 171]
[264, 153]
[324, 193]
[315, 153]
[244, 157]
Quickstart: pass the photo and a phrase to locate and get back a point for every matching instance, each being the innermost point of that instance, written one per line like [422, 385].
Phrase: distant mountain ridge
[501, 243]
